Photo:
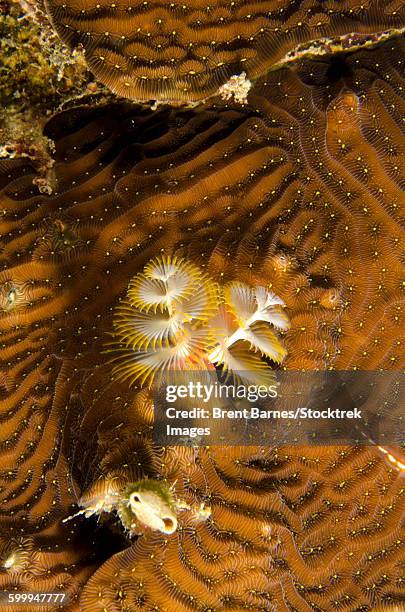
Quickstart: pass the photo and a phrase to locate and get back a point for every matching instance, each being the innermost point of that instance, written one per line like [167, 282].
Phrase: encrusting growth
[38, 74]
[237, 88]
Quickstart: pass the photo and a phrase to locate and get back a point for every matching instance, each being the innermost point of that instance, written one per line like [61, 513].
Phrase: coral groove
[186, 51]
[314, 216]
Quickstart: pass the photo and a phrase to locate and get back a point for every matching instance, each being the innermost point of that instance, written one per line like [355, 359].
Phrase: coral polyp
[17, 554]
[174, 317]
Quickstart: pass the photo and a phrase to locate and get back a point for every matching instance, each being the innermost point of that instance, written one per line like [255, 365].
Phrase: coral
[300, 189]
[187, 51]
[175, 318]
[38, 74]
[284, 533]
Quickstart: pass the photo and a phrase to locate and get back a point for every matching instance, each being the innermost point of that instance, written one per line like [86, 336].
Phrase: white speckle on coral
[10, 561]
[237, 88]
[202, 513]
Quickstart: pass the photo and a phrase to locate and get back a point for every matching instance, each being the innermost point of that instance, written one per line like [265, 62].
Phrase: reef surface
[296, 185]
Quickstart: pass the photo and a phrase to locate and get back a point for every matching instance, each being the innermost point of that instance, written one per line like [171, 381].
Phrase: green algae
[38, 75]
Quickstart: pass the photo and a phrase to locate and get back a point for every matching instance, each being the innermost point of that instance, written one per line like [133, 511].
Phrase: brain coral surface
[187, 50]
[301, 188]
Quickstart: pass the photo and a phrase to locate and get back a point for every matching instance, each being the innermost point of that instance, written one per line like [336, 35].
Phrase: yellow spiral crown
[174, 317]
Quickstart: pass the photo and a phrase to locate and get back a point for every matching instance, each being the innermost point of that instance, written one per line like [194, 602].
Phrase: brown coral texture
[298, 191]
[187, 50]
